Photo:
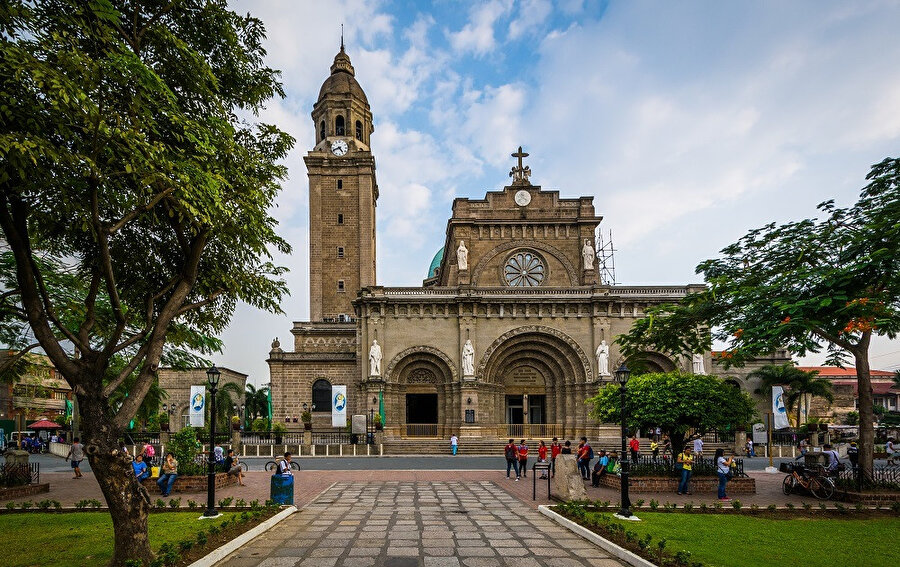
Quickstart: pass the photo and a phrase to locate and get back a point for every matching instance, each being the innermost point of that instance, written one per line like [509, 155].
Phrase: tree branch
[90, 307]
[199, 304]
[115, 227]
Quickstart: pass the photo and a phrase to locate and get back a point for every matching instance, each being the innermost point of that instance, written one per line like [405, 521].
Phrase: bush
[852, 418]
[160, 503]
[225, 502]
[175, 503]
[260, 425]
[191, 504]
[185, 446]
[279, 428]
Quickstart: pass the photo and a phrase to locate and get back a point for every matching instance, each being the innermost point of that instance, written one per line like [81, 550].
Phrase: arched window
[321, 396]
[359, 130]
[322, 130]
[339, 126]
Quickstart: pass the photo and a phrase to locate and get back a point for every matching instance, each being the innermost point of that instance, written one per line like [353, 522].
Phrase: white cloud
[531, 15]
[477, 35]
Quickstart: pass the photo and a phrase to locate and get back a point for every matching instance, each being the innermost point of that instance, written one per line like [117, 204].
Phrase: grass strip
[725, 540]
[85, 538]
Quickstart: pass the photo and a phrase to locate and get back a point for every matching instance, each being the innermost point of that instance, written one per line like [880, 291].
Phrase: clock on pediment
[522, 198]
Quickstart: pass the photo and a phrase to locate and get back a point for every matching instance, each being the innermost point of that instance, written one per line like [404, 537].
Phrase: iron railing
[330, 438]
[530, 430]
[19, 474]
[664, 465]
[423, 430]
[267, 438]
[135, 438]
[883, 478]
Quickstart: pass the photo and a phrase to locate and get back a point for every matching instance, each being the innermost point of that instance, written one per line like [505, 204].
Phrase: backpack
[510, 452]
[590, 453]
[150, 451]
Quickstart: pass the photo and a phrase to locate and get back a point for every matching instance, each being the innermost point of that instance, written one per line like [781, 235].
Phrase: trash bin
[282, 489]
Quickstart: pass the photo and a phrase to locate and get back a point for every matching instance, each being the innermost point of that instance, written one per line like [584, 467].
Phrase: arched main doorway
[418, 392]
[536, 379]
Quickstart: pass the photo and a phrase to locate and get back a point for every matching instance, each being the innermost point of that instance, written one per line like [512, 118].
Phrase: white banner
[339, 406]
[781, 420]
[197, 407]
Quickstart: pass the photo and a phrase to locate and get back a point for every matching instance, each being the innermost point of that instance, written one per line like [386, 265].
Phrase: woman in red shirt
[542, 455]
[523, 459]
[555, 449]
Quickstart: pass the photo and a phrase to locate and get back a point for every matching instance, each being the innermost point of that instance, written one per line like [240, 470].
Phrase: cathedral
[510, 331]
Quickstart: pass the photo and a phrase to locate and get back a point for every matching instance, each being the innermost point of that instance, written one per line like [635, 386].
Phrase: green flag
[269, 399]
[381, 407]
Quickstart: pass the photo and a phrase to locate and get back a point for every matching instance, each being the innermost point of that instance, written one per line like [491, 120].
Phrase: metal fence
[883, 478]
[330, 438]
[19, 474]
[664, 465]
[714, 436]
[135, 438]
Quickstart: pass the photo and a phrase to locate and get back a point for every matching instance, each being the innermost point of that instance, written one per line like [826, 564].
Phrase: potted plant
[306, 418]
[278, 429]
[378, 424]
[235, 423]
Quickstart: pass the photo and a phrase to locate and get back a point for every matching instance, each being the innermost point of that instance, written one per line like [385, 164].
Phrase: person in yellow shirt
[685, 461]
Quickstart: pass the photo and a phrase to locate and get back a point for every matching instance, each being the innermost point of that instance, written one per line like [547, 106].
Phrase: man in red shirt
[555, 448]
[523, 459]
[635, 447]
[585, 454]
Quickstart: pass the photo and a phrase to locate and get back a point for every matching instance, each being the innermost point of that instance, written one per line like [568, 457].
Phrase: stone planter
[189, 484]
[699, 484]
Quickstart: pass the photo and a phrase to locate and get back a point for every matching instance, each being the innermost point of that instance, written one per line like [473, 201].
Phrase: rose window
[524, 269]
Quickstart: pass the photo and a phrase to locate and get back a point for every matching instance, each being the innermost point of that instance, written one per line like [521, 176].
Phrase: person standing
[658, 433]
[685, 461]
[635, 446]
[76, 452]
[167, 474]
[454, 444]
[891, 451]
[140, 468]
[834, 460]
[853, 454]
[555, 450]
[750, 452]
[512, 458]
[523, 459]
[666, 445]
[585, 455]
[698, 447]
[542, 456]
[654, 449]
[804, 447]
[723, 470]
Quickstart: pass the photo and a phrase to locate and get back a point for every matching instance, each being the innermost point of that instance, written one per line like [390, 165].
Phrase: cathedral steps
[494, 447]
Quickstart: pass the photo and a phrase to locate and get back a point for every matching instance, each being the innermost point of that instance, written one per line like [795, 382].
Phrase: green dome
[435, 263]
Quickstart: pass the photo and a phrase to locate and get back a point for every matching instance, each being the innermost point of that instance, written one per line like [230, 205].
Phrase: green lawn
[746, 541]
[83, 538]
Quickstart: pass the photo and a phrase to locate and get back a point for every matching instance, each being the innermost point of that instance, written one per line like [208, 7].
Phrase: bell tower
[342, 195]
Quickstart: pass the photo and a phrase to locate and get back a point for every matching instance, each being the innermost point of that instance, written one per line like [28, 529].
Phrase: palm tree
[798, 384]
[226, 396]
[256, 402]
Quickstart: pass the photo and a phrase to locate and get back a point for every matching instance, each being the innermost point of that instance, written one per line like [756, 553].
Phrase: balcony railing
[424, 430]
[530, 430]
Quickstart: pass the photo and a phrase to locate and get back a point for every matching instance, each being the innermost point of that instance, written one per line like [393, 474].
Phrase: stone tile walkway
[418, 524]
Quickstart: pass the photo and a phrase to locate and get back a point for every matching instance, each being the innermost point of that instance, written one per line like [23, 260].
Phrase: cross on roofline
[519, 173]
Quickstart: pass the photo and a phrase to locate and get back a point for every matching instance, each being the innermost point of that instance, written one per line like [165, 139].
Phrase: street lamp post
[212, 376]
[622, 374]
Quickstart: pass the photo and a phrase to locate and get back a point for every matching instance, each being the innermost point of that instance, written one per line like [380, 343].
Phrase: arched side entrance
[419, 393]
[649, 361]
[536, 382]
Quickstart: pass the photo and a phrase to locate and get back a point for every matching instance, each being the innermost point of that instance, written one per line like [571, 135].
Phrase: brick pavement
[418, 524]
[308, 484]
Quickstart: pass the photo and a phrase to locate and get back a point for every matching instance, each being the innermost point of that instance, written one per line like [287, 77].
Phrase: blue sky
[689, 122]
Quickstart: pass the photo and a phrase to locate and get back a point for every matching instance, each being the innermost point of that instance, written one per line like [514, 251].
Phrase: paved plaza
[409, 524]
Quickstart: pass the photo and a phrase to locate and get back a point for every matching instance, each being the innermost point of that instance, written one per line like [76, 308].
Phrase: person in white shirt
[454, 443]
[698, 447]
[284, 465]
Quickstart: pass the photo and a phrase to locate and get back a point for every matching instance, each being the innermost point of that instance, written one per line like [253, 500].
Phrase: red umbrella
[44, 424]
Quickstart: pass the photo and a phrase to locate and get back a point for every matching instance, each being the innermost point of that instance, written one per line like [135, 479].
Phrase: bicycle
[272, 466]
[813, 480]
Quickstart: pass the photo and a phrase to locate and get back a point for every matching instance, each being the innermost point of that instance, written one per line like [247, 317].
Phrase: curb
[605, 544]
[224, 551]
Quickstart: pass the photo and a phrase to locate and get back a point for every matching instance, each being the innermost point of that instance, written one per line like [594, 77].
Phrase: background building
[39, 393]
[177, 385]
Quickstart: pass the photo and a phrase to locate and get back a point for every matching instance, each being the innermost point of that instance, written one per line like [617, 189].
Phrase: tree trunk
[866, 414]
[127, 501]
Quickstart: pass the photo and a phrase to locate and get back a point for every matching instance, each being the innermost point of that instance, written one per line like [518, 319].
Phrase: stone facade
[177, 385]
[518, 278]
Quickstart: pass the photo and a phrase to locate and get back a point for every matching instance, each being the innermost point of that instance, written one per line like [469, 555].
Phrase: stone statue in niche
[468, 358]
[375, 359]
[587, 255]
[462, 256]
[602, 359]
[697, 363]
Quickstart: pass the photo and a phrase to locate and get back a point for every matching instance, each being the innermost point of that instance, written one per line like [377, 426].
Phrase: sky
[688, 122]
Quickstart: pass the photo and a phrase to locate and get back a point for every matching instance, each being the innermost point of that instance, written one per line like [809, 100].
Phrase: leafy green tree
[801, 385]
[124, 162]
[256, 402]
[676, 402]
[817, 284]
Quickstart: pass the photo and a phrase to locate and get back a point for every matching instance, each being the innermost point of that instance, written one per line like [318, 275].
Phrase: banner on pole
[778, 409]
[339, 406]
[197, 407]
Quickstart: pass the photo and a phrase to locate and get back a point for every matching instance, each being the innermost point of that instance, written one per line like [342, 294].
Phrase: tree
[809, 285]
[124, 162]
[801, 385]
[676, 402]
[226, 395]
[256, 402]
